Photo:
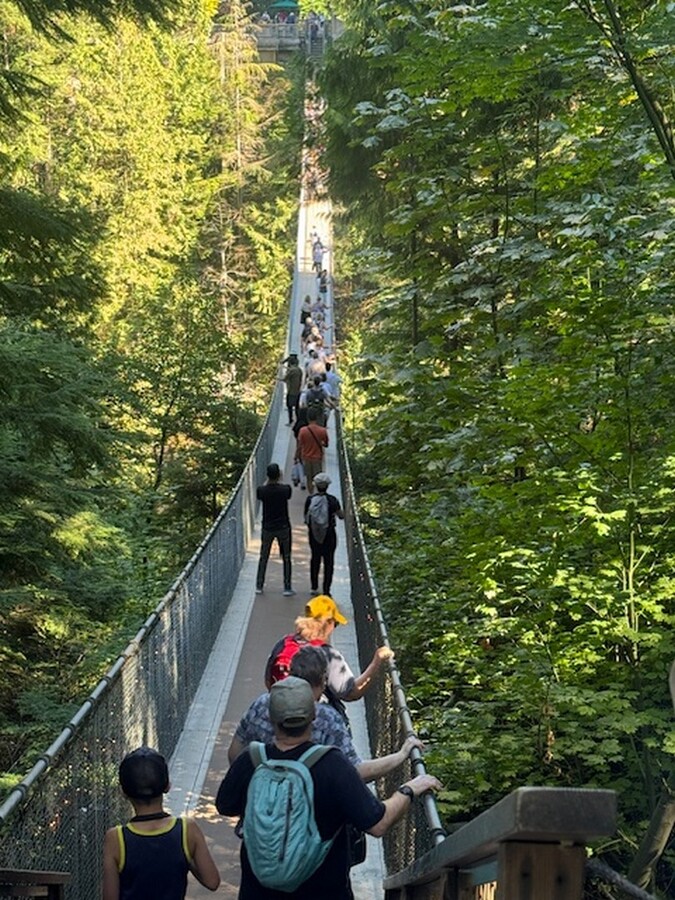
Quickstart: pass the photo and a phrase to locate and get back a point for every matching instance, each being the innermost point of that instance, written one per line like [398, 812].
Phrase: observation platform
[278, 41]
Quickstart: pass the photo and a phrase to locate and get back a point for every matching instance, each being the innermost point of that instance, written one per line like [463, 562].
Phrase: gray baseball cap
[291, 703]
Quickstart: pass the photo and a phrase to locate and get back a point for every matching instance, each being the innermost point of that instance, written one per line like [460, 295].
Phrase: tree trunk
[654, 842]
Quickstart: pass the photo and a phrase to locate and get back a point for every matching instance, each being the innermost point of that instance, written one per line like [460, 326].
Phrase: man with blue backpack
[296, 799]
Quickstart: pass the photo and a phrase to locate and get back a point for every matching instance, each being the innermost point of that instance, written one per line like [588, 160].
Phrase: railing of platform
[55, 818]
[295, 35]
[388, 717]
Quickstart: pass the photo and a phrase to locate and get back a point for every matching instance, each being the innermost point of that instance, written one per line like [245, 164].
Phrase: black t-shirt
[275, 497]
[340, 796]
[333, 508]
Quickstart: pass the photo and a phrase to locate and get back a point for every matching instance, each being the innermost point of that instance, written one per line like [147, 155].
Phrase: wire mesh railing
[387, 714]
[56, 817]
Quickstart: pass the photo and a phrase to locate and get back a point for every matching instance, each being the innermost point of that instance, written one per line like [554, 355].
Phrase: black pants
[292, 401]
[322, 553]
[267, 538]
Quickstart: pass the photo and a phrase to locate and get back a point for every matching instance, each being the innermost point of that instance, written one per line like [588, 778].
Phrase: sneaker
[258, 590]
[289, 592]
[315, 592]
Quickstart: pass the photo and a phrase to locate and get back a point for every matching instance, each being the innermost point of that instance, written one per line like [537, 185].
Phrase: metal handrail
[435, 827]
[47, 759]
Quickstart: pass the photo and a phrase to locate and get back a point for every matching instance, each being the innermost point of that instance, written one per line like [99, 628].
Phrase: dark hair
[312, 414]
[144, 774]
[273, 471]
[317, 380]
[310, 663]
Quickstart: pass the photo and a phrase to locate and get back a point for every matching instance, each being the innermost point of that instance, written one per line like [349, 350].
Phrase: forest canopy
[146, 199]
[505, 171]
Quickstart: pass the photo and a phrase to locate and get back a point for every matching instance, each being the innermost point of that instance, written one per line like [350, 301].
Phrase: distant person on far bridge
[329, 727]
[324, 281]
[333, 381]
[276, 525]
[305, 309]
[321, 618]
[314, 365]
[319, 307]
[318, 251]
[340, 799]
[149, 858]
[306, 331]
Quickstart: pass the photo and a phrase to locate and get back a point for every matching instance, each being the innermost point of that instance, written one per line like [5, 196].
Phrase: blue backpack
[283, 844]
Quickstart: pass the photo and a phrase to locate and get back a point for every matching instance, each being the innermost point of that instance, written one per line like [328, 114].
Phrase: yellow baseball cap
[324, 607]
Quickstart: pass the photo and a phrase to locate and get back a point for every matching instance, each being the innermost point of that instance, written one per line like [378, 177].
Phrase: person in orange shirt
[312, 441]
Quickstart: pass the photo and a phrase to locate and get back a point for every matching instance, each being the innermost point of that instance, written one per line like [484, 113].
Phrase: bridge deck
[234, 675]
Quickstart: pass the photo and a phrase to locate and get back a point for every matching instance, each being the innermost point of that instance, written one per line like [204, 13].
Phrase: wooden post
[28, 883]
[533, 871]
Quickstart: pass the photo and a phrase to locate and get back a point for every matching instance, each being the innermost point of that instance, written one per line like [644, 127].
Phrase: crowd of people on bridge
[296, 784]
[314, 22]
[312, 392]
[314, 173]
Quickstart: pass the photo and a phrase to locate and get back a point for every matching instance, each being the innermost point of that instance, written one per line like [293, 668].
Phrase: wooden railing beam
[30, 883]
[528, 846]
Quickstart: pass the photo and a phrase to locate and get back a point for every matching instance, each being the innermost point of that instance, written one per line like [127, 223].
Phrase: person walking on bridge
[293, 381]
[312, 441]
[340, 799]
[321, 511]
[322, 616]
[276, 525]
[149, 858]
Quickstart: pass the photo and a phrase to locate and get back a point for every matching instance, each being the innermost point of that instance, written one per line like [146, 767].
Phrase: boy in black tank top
[149, 858]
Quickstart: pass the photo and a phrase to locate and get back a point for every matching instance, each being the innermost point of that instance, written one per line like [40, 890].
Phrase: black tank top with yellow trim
[154, 864]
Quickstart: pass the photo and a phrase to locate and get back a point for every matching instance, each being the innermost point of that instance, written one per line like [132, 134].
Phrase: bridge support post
[527, 871]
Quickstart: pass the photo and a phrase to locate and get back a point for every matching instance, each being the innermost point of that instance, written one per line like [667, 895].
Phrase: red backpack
[279, 662]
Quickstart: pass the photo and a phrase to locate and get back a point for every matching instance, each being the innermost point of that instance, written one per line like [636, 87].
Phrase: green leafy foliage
[146, 203]
[514, 328]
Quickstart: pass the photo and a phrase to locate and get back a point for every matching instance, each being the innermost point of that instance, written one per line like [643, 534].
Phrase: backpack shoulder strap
[314, 754]
[257, 752]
